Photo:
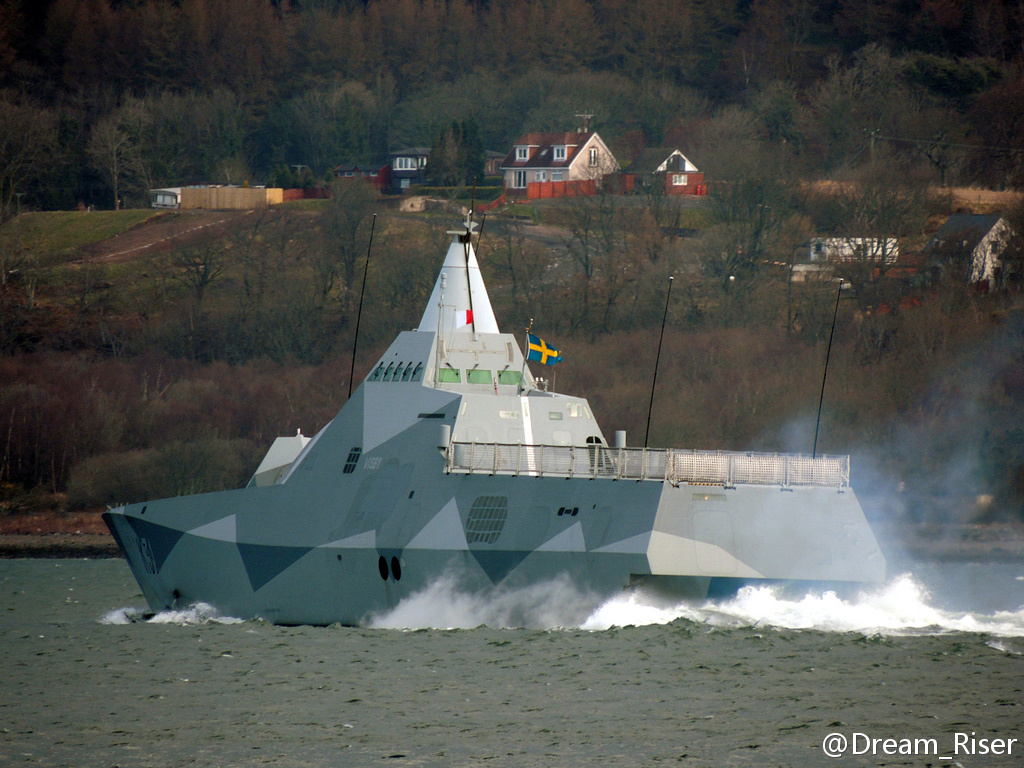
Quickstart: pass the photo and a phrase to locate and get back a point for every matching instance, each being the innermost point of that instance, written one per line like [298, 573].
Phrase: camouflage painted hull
[383, 501]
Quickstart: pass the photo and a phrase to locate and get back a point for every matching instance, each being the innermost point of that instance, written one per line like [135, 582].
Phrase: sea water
[927, 669]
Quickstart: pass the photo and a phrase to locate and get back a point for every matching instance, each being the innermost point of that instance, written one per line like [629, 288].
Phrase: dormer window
[522, 153]
[560, 153]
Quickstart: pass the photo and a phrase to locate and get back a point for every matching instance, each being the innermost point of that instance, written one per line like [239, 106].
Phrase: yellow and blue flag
[538, 350]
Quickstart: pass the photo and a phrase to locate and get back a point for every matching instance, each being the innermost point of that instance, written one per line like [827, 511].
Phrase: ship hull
[237, 552]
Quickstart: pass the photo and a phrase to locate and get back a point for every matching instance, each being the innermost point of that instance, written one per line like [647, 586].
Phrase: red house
[666, 167]
[379, 176]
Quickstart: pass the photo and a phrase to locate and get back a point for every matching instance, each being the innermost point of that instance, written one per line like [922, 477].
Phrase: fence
[539, 190]
[230, 198]
[672, 465]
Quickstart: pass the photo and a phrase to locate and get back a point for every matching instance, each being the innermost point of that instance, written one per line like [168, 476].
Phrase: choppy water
[768, 677]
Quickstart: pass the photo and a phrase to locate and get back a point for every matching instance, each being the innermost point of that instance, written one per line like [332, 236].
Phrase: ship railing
[726, 468]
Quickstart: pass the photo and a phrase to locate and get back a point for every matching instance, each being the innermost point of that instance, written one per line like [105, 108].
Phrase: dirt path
[161, 234]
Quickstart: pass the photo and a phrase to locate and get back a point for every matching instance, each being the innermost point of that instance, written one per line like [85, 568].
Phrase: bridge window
[408, 372]
[398, 372]
[417, 374]
[478, 376]
[387, 373]
[377, 373]
[449, 376]
[510, 377]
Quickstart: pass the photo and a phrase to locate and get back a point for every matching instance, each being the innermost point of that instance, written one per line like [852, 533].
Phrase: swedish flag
[539, 351]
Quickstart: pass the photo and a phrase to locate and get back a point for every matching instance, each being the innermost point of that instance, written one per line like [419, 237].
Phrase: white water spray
[901, 607]
[200, 613]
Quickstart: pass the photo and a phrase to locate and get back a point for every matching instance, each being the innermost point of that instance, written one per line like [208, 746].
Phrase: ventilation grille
[486, 519]
[352, 460]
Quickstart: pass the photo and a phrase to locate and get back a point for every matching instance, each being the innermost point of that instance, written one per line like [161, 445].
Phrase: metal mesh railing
[671, 465]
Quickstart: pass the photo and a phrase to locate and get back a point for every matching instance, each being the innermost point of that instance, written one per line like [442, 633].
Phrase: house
[846, 250]
[407, 167]
[379, 176]
[663, 168]
[557, 164]
[984, 247]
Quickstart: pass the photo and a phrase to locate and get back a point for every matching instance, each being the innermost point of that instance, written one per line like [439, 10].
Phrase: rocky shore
[55, 534]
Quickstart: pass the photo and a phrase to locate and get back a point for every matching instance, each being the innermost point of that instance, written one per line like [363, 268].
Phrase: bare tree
[881, 207]
[114, 148]
[345, 233]
[28, 143]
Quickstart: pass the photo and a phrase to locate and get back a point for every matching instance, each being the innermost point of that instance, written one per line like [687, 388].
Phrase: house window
[522, 153]
[403, 183]
[559, 153]
[556, 175]
[542, 175]
[423, 162]
[593, 157]
[678, 179]
[520, 180]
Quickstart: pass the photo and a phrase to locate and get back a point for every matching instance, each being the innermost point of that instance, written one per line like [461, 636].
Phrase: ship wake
[903, 606]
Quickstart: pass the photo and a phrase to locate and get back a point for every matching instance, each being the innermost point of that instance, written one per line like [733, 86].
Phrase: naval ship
[450, 459]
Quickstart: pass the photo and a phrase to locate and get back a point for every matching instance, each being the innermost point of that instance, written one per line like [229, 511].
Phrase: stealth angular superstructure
[449, 458]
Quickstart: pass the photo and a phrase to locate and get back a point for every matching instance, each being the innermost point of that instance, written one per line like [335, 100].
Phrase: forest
[169, 372]
[135, 94]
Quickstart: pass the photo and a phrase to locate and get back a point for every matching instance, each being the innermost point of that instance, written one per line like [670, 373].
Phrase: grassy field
[61, 233]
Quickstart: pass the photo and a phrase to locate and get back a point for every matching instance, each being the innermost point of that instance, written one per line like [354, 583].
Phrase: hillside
[165, 354]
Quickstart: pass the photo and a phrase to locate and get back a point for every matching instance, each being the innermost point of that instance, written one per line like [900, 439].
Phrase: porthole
[382, 566]
[396, 568]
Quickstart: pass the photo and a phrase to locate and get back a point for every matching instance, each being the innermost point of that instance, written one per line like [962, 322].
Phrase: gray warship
[450, 459]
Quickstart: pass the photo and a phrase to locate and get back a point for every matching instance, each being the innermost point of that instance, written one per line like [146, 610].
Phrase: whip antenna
[359, 312]
[657, 359]
[828, 354]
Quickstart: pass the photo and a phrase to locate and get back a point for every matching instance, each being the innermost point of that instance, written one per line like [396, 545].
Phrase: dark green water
[720, 688]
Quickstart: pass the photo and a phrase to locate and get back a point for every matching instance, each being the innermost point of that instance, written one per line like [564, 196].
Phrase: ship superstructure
[450, 459]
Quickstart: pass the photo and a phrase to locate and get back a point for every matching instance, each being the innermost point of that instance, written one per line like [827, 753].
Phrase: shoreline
[947, 543]
[94, 546]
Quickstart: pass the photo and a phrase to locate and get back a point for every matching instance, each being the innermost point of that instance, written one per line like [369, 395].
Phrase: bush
[176, 469]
